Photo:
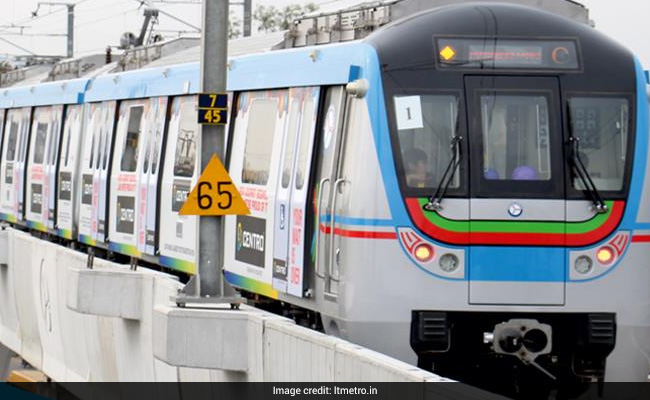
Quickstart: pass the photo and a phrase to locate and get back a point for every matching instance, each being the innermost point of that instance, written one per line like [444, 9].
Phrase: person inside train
[417, 168]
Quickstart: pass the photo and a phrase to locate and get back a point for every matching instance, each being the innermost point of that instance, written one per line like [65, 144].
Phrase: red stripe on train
[358, 234]
[641, 239]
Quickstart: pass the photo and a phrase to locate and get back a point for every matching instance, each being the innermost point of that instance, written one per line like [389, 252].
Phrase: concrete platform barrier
[25, 259]
[73, 333]
[113, 324]
[9, 326]
[107, 291]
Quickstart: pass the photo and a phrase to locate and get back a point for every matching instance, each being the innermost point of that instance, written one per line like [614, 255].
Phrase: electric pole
[214, 57]
[70, 40]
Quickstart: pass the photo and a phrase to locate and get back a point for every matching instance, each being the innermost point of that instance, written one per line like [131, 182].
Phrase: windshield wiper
[579, 167]
[445, 181]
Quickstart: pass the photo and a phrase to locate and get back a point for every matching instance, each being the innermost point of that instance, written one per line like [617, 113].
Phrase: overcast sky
[99, 23]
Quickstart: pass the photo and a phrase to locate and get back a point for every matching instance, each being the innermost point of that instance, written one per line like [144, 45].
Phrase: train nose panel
[519, 276]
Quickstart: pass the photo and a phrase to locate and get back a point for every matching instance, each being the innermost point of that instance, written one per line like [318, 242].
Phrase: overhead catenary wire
[118, 14]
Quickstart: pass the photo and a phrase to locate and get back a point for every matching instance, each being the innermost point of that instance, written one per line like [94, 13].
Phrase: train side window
[263, 115]
[129, 160]
[303, 152]
[185, 158]
[94, 123]
[12, 141]
[101, 139]
[108, 122]
[92, 152]
[150, 120]
[294, 111]
[71, 120]
[39, 145]
[55, 127]
[158, 131]
[602, 125]
[24, 135]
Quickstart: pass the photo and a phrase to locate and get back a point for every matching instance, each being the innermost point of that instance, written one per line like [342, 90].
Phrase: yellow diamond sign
[447, 53]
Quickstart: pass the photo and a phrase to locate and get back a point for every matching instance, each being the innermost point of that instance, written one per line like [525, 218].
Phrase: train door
[11, 178]
[156, 112]
[68, 179]
[328, 185]
[517, 191]
[41, 132]
[44, 142]
[179, 233]
[3, 114]
[127, 165]
[292, 192]
[98, 128]
[254, 167]
[102, 168]
[9, 148]
[51, 165]
[21, 162]
[89, 187]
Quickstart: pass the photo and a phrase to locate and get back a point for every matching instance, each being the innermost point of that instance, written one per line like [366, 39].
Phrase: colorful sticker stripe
[64, 233]
[179, 265]
[251, 285]
[531, 233]
[87, 240]
[125, 249]
[37, 226]
[8, 217]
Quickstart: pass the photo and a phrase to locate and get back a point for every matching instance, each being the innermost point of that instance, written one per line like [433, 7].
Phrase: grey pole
[247, 17]
[214, 57]
[70, 30]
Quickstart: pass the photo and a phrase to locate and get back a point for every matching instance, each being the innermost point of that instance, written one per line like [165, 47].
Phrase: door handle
[338, 183]
[321, 186]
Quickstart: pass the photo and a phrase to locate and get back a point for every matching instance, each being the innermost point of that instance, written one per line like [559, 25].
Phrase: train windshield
[426, 125]
[601, 125]
[515, 131]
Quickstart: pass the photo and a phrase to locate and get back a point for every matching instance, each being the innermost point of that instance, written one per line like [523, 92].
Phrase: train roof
[409, 42]
[177, 72]
[65, 92]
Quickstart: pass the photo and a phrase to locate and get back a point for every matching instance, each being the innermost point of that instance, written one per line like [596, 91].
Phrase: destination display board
[496, 53]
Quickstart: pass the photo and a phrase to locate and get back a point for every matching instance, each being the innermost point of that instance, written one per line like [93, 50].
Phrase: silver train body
[512, 250]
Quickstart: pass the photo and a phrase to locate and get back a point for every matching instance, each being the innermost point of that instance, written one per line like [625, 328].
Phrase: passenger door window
[129, 160]
[259, 141]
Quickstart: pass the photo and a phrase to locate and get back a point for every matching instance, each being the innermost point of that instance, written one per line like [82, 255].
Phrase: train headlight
[605, 255]
[424, 252]
[449, 263]
[583, 264]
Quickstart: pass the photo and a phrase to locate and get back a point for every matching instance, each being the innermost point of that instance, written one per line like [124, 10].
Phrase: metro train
[466, 188]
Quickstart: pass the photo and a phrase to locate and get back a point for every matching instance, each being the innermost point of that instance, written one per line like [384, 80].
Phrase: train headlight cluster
[449, 262]
[584, 264]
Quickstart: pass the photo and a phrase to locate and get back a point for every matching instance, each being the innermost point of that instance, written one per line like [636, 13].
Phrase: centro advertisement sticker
[250, 243]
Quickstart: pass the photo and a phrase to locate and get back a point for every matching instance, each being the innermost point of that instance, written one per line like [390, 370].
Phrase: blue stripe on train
[640, 153]
[517, 264]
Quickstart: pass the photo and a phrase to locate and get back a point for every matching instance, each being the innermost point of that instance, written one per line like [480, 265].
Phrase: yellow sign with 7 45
[213, 108]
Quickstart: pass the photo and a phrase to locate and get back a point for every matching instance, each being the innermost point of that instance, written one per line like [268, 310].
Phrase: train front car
[520, 146]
